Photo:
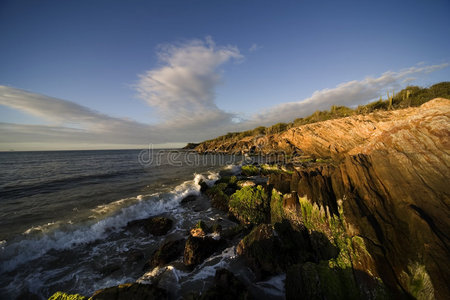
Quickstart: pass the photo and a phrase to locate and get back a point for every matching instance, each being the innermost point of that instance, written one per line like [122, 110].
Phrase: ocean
[63, 216]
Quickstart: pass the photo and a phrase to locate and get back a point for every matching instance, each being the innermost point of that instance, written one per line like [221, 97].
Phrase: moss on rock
[250, 205]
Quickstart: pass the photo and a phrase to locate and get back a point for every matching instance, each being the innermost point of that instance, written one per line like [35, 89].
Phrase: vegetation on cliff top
[411, 96]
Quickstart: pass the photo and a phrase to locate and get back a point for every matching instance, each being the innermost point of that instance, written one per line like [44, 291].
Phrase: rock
[390, 170]
[271, 250]
[60, 296]
[27, 295]
[197, 249]
[319, 281]
[250, 205]
[281, 182]
[154, 225]
[188, 198]
[244, 183]
[166, 253]
[203, 186]
[134, 255]
[129, 291]
[190, 146]
[109, 269]
[226, 286]
[260, 250]
[219, 199]
[235, 231]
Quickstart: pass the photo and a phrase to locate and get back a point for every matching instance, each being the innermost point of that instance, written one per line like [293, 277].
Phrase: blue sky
[128, 73]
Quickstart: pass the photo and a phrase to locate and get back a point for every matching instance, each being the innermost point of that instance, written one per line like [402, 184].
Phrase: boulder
[271, 249]
[218, 196]
[130, 291]
[167, 252]
[197, 249]
[226, 286]
[319, 281]
[154, 225]
[188, 198]
[250, 205]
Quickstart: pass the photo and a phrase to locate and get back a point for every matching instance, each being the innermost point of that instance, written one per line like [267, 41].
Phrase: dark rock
[197, 249]
[260, 250]
[188, 199]
[130, 291]
[27, 295]
[280, 181]
[134, 255]
[109, 269]
[216, 228]
[235, 231]
[153, 225]
[226, 286]
[168, 252]
[203, 186]
[190, 146]
[319, 281]
[219, 199]
[272, 250]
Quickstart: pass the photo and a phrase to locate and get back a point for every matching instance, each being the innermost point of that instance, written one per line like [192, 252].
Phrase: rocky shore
[359, 209]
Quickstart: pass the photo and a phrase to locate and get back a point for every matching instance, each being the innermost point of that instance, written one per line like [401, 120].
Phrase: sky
[128, 74]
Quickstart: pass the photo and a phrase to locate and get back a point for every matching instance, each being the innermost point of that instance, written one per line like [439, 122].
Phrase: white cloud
[182, 89]
[349, 94]
[254, 47]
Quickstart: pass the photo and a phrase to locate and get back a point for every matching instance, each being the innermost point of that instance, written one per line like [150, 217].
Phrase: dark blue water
[62, 213]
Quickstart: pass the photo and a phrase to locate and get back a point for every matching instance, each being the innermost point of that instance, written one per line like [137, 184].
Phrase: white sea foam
[234, 169]
[31, 248]
[274, 285]
[41, 228]
[209, 266]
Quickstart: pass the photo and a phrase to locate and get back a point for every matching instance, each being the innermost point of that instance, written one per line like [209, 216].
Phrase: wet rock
[109, 269]
[134, 256]
[130, 291]
[226, 286]
[27, 295]
[219, 199]
[154, 225]
[203, 186]
[166, 253]
[260, 250]
[197, 249]
[200, 229]
[189, 198]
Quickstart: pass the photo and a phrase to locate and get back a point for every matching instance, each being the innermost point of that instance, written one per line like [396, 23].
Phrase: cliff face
[324, 139]
[391, 171]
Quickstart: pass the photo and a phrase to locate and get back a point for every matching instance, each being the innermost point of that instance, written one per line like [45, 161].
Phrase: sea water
[63, 216]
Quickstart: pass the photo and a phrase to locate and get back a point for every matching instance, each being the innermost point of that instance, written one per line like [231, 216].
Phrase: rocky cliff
[389, 175]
